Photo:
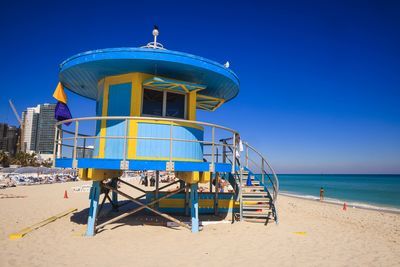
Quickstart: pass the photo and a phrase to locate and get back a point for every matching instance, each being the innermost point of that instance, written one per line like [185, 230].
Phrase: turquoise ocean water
[369, 191]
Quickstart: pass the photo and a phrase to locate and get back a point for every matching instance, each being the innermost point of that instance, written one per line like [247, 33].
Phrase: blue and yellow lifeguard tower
[146, 102]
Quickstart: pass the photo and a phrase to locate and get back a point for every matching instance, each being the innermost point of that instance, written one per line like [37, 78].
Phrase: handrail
[275, 182]
[59, 140]
[145, 118]
[265, 167]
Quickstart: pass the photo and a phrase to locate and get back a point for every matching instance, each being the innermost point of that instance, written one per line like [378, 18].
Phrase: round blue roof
[81, 73]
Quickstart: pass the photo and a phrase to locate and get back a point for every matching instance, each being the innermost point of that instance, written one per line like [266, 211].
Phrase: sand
[332, 237]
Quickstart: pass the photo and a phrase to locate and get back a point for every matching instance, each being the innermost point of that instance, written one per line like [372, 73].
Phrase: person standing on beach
[321, 194]
[239, 147]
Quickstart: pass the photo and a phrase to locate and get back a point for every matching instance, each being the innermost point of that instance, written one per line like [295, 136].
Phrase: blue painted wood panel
[119, 104]
[161, 148]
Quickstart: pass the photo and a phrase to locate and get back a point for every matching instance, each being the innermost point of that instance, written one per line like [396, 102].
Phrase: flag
[59, 94]
[62, 112]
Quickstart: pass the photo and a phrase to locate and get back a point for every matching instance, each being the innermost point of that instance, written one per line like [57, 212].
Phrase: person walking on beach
[321, 194]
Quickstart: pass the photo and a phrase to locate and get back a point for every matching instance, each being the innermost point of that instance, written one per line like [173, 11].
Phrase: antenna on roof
[155, 34]
[154, 44]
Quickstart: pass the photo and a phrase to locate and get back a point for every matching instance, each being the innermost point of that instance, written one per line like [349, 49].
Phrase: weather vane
[154, 44]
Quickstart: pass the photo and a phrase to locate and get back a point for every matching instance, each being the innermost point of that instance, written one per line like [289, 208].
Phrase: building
[30, 119]
[39, 129]
[46, 129]
[9, 138]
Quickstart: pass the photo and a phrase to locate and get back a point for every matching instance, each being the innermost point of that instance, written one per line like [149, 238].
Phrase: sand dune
[332, 237]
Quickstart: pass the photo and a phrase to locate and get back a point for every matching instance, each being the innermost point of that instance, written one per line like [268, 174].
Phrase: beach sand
[332, 237]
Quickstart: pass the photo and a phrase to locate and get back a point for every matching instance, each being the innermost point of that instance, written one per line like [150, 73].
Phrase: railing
[265, 168]
[215, 139]
[258, 165]
[77, 141]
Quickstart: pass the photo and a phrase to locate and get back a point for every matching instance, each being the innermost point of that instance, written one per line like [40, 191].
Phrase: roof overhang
[81, 73]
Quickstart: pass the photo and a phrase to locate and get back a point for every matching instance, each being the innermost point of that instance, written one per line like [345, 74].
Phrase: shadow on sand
[143, 217]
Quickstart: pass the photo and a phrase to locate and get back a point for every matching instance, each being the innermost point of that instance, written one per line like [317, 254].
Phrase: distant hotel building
[39, 130]
[9, 138]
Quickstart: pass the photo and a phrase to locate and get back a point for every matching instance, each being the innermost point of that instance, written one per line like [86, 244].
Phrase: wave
[349, 204]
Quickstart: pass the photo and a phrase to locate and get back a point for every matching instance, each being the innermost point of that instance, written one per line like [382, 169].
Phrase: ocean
[380, 192]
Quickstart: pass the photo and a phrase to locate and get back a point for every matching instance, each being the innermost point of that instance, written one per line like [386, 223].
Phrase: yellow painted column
[192, 105]
[136, 108]
[103, 125]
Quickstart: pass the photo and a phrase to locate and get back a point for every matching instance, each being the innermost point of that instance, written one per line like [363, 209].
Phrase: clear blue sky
[320, 80]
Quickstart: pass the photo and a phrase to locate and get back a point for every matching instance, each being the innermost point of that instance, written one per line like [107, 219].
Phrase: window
[164, 104]
[152, 102]
[175, 105]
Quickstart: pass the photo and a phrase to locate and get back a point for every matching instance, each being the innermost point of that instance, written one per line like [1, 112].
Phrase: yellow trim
[118, 79]
[205, 177]
[178, 83]
[191, 109]
[103, 124]
[208, 99]
[136, 107]
[31, 228]
[99, 174]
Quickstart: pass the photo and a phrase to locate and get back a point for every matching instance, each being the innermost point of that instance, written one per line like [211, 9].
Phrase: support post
[74, 160]
[194, 197]
[157, 189]
[187, 199]
[241, 194]
[94, 203]
[114, 195]
[216, 179]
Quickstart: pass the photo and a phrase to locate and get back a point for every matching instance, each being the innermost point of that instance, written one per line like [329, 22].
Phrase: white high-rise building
[39, 130]
[30, 119]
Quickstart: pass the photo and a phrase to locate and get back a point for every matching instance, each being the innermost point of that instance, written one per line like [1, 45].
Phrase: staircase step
[255, 220]
[255, 193]
[256, 199]
[256, 187]
[256, 214]
[256, 207]
[255, 182]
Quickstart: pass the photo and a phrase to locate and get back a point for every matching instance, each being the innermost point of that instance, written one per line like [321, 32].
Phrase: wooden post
[157, 188]
[114, 195]
[94, 203]
[194, 197]
[187, 199]
[216, 177]
[211, 175]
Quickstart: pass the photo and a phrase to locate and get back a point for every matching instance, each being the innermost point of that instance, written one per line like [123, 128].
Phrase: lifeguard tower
[146, 102]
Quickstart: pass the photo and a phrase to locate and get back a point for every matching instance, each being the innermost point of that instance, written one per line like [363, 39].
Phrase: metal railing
[75, 137]
[257, 164]
[265, 168]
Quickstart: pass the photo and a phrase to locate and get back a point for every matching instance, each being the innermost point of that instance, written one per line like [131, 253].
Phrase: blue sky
[320, 80]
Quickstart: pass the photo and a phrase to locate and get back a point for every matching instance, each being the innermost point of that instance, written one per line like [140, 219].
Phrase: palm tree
[25, 159]
[4, 159]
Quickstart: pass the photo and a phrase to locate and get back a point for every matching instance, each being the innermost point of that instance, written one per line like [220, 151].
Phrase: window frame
[164, 103]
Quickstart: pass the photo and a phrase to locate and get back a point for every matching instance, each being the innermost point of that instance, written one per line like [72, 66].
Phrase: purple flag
[62, 112]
